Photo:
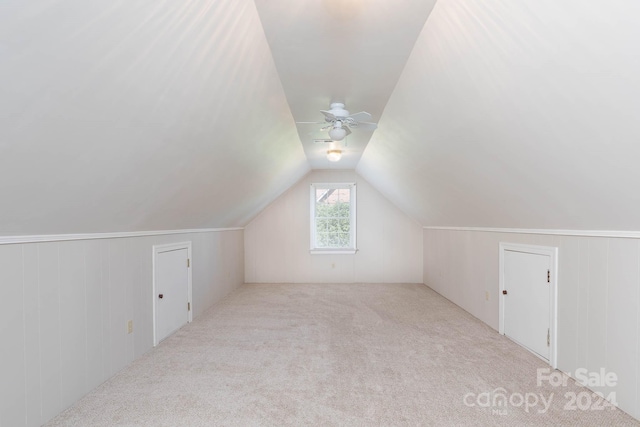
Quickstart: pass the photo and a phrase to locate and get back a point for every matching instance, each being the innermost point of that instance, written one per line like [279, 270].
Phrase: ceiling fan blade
[347, 129]
[329, 115]
[367, 126]
[310, 123]
[362, 116]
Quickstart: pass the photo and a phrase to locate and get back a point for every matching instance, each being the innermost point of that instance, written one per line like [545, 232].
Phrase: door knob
[160, 296]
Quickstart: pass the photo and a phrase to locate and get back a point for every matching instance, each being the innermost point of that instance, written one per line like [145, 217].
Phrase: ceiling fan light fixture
[334, 155]
[337, 133]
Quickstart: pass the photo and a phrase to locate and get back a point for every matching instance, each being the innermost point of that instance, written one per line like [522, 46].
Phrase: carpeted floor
[362, 355]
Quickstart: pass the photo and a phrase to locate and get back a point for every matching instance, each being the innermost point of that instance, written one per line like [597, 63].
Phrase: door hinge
[188, 263]
[188, 306]
[548, 276]
[548, 338]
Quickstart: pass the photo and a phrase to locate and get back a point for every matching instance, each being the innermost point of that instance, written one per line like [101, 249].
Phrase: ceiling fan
[339, 122]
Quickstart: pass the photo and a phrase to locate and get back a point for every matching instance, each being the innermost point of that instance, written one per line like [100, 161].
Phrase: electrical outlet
[130, 326]
[486, 295]
[333, 265]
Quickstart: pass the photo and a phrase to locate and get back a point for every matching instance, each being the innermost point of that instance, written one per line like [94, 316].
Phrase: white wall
[64, 310]
[277, 241]
[598, 296]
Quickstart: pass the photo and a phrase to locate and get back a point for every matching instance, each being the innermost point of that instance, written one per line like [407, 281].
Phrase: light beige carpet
[362, 355]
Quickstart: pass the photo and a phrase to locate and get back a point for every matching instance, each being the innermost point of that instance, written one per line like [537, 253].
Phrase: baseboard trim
[583, 233]
[11, 240]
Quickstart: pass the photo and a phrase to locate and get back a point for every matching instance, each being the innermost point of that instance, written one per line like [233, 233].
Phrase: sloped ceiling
[148, 115]
[516, 114]
[139, 115]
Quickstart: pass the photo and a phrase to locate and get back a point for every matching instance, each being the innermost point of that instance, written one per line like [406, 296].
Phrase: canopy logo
[498, 400]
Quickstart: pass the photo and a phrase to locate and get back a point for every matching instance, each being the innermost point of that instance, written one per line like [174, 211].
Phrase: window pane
[345, 240]
[321, 225]
[344, 226]
[333, 225]
[322, 240]
[343, 195]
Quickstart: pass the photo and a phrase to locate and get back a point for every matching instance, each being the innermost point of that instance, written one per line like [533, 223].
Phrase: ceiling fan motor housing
[337, 109]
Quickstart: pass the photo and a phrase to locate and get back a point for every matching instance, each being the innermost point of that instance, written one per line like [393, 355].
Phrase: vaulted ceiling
[139, 115]
[349, 51]
[518, 114]
[164, 114]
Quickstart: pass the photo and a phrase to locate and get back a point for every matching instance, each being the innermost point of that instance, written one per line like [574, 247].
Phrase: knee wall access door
[171, 288]
[528, 297]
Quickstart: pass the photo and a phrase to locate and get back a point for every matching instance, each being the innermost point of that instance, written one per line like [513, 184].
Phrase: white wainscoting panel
[31, 306]
[622, 301]
[50, 339]
[65, 308]
[12, 367]
[598, 296]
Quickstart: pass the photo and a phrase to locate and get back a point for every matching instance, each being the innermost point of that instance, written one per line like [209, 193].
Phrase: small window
[333, 218]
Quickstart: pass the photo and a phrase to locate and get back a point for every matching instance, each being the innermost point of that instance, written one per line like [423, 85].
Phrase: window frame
[352, 249]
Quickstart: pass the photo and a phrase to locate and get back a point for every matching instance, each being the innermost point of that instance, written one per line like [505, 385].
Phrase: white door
[172, 291]
[527, 301]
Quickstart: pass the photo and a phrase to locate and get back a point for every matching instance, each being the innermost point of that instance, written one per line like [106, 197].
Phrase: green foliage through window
[333, 218]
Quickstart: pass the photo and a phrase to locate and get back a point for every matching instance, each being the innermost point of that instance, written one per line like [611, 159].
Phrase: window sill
[333, 251]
